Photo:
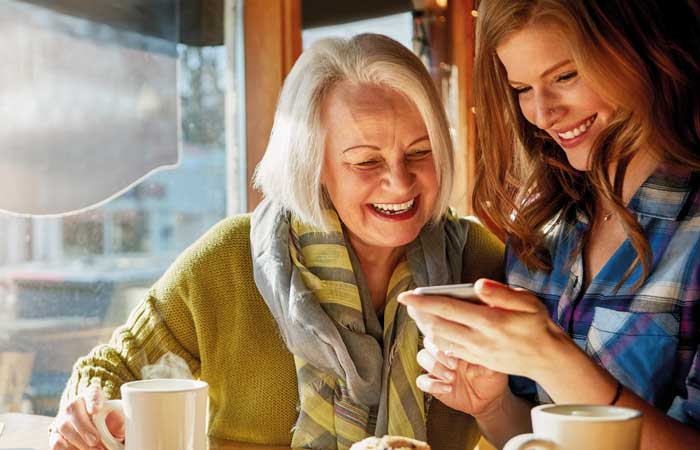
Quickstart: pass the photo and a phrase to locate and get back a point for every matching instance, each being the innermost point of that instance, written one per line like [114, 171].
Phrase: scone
[389, 443]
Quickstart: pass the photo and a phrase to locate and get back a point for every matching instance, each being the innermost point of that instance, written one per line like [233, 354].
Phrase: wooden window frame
[272, 30]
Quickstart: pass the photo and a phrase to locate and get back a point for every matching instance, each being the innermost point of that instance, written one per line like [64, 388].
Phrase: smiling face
[378, 165]
[552, 95]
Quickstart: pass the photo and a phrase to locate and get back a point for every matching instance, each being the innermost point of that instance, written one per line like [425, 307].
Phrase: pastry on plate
[390, 443]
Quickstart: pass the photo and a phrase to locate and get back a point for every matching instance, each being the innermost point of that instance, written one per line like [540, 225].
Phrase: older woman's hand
[73, 427]
[459, 384]
[510, 333]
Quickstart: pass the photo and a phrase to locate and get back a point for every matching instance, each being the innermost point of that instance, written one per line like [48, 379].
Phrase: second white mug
[581, 427]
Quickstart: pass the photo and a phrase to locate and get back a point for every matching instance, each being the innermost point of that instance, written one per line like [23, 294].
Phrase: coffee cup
[160, 414]
[581, 427]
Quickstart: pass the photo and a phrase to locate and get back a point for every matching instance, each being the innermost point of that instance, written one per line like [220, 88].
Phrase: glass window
[67, 281]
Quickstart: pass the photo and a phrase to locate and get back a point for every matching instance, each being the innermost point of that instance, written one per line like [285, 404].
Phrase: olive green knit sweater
[207, 310]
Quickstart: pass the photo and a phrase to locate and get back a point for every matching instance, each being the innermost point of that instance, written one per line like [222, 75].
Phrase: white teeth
[567, 135]
[394, 208]
[577, 131]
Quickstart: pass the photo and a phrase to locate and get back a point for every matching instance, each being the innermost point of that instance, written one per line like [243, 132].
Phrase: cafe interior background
[133, 126]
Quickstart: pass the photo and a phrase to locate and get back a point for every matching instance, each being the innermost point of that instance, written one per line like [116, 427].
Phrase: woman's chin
[379, 232]
[579, 162]
[385, 237]
[395, 239]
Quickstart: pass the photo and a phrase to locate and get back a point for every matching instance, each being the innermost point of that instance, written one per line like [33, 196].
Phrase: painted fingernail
[90, 439]
[411, 312]
[483, 287]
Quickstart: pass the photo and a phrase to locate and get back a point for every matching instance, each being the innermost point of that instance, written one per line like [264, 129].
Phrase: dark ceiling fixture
[316, 13]
[191, 22]
[201, 22]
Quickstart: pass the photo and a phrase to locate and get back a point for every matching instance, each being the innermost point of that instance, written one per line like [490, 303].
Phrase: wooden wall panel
[461, 23]
[272, 44]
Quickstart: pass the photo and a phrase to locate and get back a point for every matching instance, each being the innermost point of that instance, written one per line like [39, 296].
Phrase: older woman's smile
[395, 211]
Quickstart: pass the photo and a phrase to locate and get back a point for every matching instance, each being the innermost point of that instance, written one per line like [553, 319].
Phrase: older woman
[291, 314]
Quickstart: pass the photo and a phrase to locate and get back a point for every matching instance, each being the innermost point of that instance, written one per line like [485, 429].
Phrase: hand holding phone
[464, 291]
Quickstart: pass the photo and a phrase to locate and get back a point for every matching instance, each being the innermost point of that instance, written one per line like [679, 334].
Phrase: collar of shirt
[664, 195]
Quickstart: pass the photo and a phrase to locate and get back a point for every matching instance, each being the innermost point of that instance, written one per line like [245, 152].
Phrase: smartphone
[463, 291]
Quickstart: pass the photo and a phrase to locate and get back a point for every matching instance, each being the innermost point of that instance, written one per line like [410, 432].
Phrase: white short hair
[290, 171]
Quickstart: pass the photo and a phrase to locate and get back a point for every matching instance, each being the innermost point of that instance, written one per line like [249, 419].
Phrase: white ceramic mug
[580, 427]
[161, 414]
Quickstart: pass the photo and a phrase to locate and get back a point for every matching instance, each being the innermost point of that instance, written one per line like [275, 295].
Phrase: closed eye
[521, 90]
[367, 164]
[419, 154]
[567, 76]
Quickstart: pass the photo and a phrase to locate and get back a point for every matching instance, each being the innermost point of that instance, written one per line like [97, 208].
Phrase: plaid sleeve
[523, 387]
[686, 408]
[692, 406]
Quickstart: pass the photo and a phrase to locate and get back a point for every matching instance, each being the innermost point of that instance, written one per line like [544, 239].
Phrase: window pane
[66, 282]
[76, 95]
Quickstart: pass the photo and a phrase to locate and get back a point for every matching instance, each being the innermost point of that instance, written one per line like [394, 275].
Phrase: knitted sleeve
[170, 319]
[153, 329]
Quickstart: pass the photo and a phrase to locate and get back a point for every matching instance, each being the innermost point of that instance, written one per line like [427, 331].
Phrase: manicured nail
[452, 363]
[411, 312]
[90, 439]
[445, 389]
[450, 376]
[486, 287]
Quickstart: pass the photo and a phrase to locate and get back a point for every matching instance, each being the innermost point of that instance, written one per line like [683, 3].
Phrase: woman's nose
[547, 111]
[399, 177]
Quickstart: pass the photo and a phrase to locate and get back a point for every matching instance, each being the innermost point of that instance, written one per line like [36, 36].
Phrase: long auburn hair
[639, 56]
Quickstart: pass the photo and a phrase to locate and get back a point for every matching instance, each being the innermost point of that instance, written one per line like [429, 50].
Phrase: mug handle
[527, 441]
[100, 421]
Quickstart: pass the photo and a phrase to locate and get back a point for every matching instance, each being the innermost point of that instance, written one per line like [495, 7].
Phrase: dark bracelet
[618, 392]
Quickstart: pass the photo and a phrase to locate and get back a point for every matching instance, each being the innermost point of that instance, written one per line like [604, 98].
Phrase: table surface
[29, 432]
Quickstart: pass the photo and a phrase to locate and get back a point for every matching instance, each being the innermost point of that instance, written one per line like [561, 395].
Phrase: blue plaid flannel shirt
[648, 337]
